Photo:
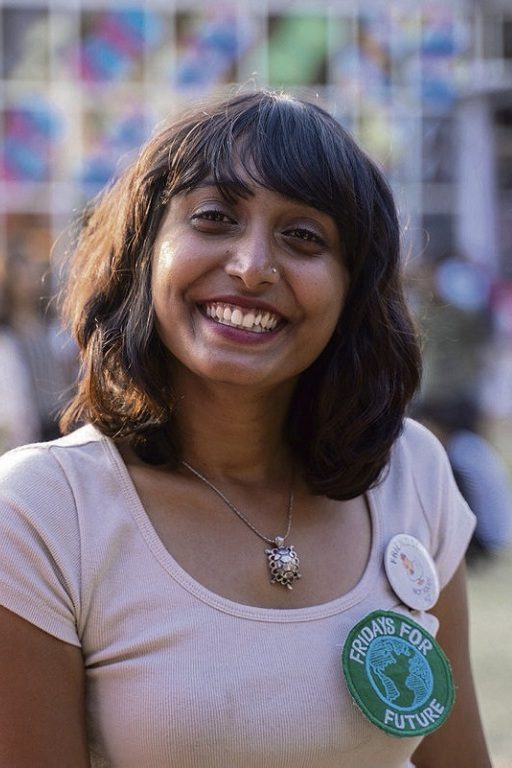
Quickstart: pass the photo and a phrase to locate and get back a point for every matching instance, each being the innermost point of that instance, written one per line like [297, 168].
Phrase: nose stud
[274, 270]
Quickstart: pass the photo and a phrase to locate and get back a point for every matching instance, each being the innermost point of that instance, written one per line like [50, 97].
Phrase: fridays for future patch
[398, 674]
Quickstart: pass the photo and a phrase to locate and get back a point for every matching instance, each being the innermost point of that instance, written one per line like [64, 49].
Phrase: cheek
[171, 276]
[162, 281]
[163, 262]
[327, 291]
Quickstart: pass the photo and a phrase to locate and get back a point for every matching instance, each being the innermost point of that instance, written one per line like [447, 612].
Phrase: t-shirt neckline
[220, 603]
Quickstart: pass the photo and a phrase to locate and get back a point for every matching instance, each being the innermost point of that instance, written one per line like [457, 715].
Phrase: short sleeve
[449, 518]
[39, 542]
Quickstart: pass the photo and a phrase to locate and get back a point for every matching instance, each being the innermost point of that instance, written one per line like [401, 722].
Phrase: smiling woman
[247, 362]
[211, 163]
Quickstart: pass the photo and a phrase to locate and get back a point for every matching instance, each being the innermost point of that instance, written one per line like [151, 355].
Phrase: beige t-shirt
[176, 675]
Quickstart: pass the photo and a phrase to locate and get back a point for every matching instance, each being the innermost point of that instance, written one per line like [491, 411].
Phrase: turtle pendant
[283, 564]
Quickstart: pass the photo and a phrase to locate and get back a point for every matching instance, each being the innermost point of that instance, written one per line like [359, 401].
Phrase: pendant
[283, 564]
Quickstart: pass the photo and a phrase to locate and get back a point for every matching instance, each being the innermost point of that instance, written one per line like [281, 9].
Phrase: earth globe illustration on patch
[399, 673]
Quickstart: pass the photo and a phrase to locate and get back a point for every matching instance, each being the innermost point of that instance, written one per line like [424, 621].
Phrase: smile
[254, 320]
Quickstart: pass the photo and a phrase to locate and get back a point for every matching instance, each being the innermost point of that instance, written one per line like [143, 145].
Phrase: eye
[305, 238]
[304, 234]
[211, 216]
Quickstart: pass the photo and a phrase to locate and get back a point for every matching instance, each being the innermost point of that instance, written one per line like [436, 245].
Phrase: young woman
[241, 551]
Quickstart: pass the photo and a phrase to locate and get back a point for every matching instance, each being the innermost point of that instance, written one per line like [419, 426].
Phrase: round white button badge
[411, 572]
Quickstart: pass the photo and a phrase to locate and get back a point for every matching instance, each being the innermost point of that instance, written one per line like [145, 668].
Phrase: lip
[239, 332]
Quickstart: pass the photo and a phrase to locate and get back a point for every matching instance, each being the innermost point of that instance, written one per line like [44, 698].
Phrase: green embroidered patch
[398, 674]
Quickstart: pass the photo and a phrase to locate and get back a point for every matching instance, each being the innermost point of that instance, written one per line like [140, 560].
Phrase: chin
[237, 375]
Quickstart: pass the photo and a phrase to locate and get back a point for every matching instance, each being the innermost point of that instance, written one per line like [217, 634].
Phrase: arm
[460, 742]
[42, 720]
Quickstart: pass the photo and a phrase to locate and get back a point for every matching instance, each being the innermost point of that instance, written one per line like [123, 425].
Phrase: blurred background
[426, 88]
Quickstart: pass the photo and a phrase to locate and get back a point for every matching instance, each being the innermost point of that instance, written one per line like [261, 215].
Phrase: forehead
[295, 165]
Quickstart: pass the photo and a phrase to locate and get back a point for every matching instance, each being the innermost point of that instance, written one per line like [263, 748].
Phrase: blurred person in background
[19, 419]
[457, 329]
[40, 360]
[480, 472]
[453, 311]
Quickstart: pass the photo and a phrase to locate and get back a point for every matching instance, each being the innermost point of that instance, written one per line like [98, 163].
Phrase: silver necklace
[283, 562]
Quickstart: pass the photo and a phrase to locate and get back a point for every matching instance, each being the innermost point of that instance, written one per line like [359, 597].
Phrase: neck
[233, 434]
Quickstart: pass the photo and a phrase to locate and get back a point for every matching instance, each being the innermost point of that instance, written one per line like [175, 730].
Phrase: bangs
[275, 142]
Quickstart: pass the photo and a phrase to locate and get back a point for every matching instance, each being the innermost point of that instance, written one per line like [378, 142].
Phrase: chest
[233, 555]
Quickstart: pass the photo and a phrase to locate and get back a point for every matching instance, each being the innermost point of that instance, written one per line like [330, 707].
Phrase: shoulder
[47, 492]
[41, 531]
[78, 442]
[420, 492]
[418, 455]
[39, 470]
[417, 439]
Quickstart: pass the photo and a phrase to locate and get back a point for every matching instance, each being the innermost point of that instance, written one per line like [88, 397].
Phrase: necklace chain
[240, 514]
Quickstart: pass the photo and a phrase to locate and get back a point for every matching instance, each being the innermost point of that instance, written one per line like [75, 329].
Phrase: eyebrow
[232, 188]
[201, 184]
[237, 185]
[212, 183]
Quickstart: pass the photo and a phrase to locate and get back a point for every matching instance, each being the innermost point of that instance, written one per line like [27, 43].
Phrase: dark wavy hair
[348, 406]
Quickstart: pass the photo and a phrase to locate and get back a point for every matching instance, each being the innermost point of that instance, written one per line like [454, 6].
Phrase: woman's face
[246, 292]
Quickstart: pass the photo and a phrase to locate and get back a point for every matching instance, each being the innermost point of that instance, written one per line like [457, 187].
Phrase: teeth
[237, 317]
[248, 320]
[253, 320]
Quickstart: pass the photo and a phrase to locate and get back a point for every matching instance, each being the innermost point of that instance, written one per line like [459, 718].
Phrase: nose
[251, 261]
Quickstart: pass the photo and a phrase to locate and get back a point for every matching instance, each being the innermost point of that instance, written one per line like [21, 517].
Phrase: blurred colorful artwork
[31, 131]
[110, 137]
[25, 43]
[112, 45]
[208, 45]
[382, 63]
[297, 49]
[443, 41]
